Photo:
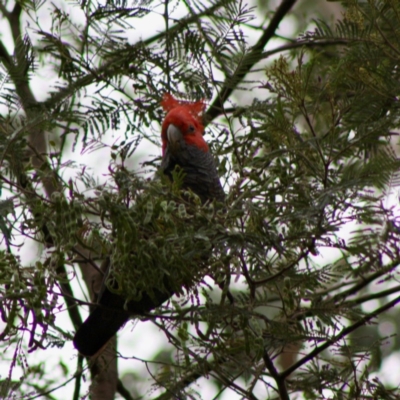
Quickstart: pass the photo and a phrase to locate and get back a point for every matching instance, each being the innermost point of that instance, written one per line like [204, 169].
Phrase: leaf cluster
[309, 233]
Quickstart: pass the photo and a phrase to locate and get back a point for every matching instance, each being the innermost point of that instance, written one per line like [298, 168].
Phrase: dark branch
[123, 391]
[365, 281]
[336, 338]
[78, 376]
[252, 58]
[280, 381]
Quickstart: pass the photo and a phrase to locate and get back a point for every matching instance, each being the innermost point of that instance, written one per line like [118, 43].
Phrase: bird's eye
[191, 129]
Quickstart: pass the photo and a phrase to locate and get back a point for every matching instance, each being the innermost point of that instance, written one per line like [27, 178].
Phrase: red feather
[184, 114]
[169, 102]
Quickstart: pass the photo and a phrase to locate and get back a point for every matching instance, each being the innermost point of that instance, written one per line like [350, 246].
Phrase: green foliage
[158, 237]
[275, 287]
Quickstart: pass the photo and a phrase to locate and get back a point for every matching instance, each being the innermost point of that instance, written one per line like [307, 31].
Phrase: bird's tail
[110, 314]
[101, 325]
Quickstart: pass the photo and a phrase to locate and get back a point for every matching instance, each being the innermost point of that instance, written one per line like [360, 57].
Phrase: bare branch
[278, 379]
[346, 331]
[123, 391]
[251, 58]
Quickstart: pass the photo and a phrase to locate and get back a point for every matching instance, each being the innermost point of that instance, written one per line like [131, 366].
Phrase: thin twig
[346, 331]
[123, 391]
[280, 381]
[78, 376]
[87, 260]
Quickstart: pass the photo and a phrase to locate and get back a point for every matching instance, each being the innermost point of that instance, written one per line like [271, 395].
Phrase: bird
[183, 146]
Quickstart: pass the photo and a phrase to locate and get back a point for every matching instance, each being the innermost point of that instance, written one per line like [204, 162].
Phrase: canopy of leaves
[279, 290]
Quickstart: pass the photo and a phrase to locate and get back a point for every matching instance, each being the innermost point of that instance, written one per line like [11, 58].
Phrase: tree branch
[280, 381]
[78, 376]
[366, 281]
[251, 58]
[18, 70]
[123, 391]
[373, 296]
[7, 60]
[336, 338]
[14, 21]
[108, 67]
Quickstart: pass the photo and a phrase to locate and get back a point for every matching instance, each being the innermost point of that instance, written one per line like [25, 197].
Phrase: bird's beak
[174, 135]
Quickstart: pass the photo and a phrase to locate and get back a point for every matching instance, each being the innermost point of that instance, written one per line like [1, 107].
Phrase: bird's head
[183, 121]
